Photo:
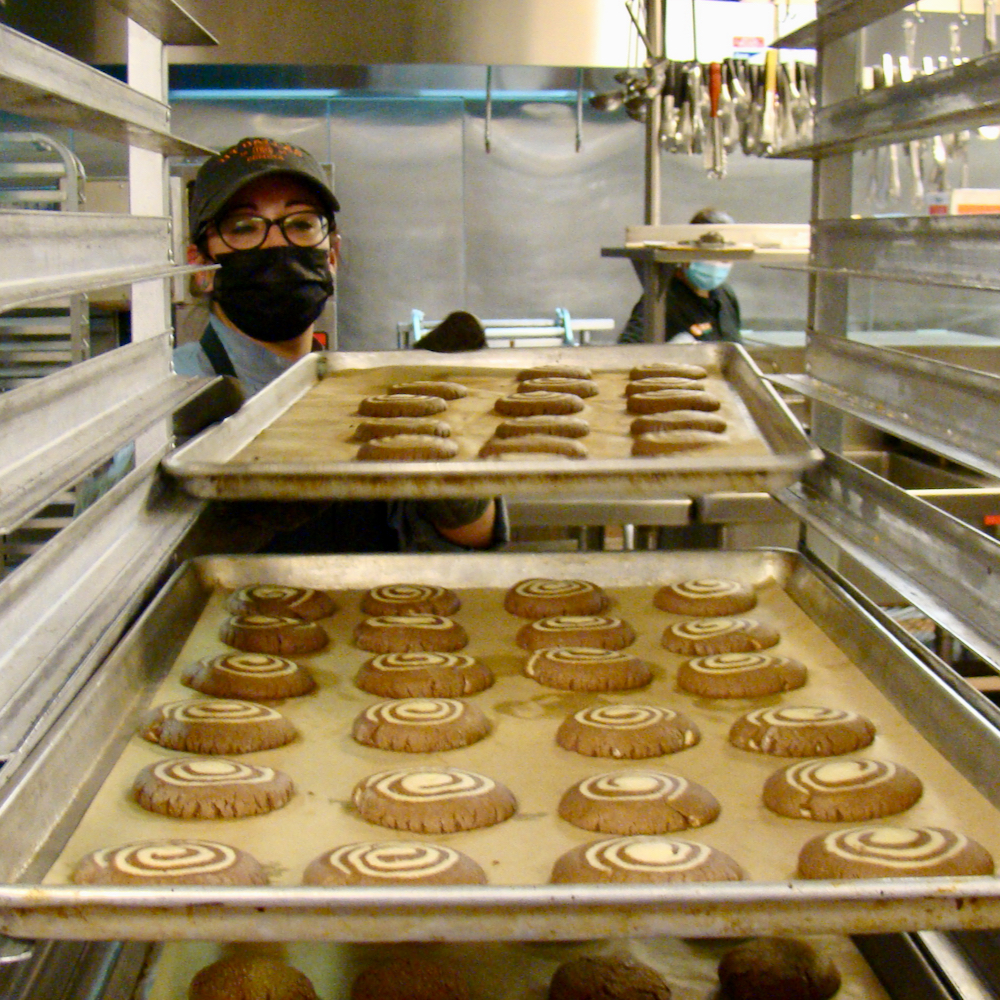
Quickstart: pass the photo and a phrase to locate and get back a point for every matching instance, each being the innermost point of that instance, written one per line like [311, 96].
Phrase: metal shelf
[168, 21]
[836, 19]
[41, 83]
[953, 99]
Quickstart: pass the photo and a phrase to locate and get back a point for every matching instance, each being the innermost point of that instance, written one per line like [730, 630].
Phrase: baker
[700, 305]
[263, 211]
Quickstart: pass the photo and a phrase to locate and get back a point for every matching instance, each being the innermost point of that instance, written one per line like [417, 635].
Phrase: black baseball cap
[223, 174]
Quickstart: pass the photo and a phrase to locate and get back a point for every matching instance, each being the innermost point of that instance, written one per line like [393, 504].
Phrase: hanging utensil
[696, 99]
[717, 167]
[768, 132]
[727, 114]
[989, 25]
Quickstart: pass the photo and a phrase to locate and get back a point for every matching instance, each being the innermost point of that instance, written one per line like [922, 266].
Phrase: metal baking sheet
[44, 805]
[266, 451]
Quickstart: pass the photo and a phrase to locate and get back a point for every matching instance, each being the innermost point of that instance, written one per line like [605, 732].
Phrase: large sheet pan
[293, 439]
[70, 798]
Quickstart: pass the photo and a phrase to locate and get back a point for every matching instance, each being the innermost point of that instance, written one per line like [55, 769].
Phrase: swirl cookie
[423, 675]
[667, 369]
[582, 387]
[678, 420]
[579, 668]
[443, 390]
[393, 862]
[273, 599]
[553, 371]
[607, 977]
[669, 442]
[662, 400]
[420, 725]
[530, 404]
[846, 790]
[369, 430]
[645, 859]
[432, 799]
[708, 636]
[551, 426]
[408, 448]
[588, 631]
[410, 598]
[217, 726]
[210, 788]
[638, 802]
[251, 977]
[654, 384]
[533, 444]
[401, 405]
[277, 634]
[705, 597]
[778, 968]
[542, 597]
[801, 731]
[629, 732]
[892, 852]
[410, 633]
[740, 675]
[169, 862]
[252, 676]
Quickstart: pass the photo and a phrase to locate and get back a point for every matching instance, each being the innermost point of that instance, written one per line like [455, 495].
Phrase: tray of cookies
[505, 746]
[602, 421]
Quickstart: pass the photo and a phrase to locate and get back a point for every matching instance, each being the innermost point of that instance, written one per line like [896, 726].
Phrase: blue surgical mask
[707, 274]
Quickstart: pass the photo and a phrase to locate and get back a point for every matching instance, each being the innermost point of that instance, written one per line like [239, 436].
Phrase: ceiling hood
[371, 32]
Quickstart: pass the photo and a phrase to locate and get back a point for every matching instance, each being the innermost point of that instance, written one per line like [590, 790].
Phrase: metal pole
[654, 32]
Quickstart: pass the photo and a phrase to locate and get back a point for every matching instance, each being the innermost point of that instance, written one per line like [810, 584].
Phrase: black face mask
[276, 293]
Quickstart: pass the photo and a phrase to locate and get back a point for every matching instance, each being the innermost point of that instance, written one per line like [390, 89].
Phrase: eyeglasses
[247, 232]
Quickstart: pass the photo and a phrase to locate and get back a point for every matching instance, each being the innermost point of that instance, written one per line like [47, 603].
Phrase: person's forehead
[276, 189]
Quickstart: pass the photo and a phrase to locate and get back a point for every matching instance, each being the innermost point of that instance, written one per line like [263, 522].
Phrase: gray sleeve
[418, 534]
[191, 360]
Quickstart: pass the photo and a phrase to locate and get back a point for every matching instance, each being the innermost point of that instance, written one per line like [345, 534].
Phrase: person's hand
[700, 329]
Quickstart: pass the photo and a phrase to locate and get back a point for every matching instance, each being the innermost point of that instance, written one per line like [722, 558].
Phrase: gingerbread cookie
[274, 599]
[670, 442]
[410, 598]
[576, 668]
[542, 597]
[553, 371]
[529, 404]
[801, 731]
[582, 387]
[546, 424]
[645, 859]
[708, 636]
[251, 676]
[629, 732]
[401, 405]
[638, 802]
[420, 725]
[432, 799]
[667, 369]
[706, 597]
[169, 862]
[662, 400]
[251, 977]
[740, 675]
[607, 977]
[216, 726]
[410, 633]
[587, 631]
[893, 852]
[393, 862]
[210, 788]
[654, 384]
[408, 448]
[369, 430]
[678, 420]
[443, 390]
[423, 675]
[778, 968]
[846, 790]
[533, 444]
[275, 634]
